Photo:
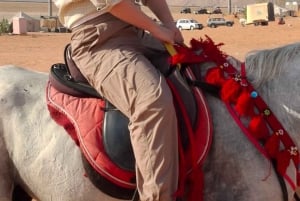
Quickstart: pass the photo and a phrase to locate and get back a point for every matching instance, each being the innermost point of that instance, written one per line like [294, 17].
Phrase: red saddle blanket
[83, 118]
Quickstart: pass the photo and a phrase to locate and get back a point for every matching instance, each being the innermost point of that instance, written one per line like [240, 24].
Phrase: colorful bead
[293, 151]
[279, 132]
[254, 94]
[267, 112]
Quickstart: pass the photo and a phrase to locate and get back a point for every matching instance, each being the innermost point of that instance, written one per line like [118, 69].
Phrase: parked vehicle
[186, 10]
[260, 13]
[189, 24]
[217, 10]
[219, 21]
[202, 11]
[261, 22]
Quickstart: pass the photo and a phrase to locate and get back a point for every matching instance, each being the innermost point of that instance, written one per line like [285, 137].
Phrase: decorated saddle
[101, 130]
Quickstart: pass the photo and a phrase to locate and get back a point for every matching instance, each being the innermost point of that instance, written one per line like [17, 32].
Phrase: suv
[219, 21]
[186, 10]
[189, 24]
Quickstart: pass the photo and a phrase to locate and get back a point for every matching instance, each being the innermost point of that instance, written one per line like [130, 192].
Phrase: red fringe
[186, 55]
[283, 161]
[245, 104]
[191, 54]
[212, 50]
[230, 91]
[272, 145]
[258, 128]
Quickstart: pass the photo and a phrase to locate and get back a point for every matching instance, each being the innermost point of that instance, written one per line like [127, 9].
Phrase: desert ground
[40, 50]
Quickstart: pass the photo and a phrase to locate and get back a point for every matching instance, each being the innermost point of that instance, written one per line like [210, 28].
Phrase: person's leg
[142, 94]
[126, 78]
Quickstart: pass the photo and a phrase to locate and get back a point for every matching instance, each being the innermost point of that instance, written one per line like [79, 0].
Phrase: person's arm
[161, 9]
[127, 11]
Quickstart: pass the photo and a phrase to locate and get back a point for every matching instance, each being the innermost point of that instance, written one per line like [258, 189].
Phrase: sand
[40, 50]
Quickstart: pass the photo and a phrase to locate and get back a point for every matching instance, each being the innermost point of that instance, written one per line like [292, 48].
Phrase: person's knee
[156, 98]
[165, 101]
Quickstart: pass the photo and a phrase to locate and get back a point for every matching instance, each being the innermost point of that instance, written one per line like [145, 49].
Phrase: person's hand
[168, 35]
[178, 38]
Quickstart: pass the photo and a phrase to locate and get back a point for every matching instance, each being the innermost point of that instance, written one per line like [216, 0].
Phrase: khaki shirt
[74, 12]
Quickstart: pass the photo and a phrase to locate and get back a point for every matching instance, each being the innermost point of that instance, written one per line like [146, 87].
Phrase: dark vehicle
[261, 22]
[186, 10]
[201, 11]
[217, 11]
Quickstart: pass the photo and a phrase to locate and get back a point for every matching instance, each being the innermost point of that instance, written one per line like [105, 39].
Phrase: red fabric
[194, 53]
[231, 92]
[245, 105]
[283, 160]
[272, 145]
[258, 128]
[195, 192]
[83, 118]
[200, 139]
[212, 51]
[190, 158]
[182, 170]
[63, 121]
[186, 56]
[215, 76]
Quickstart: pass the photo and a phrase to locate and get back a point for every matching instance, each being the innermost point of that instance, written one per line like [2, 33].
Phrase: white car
[189, 24]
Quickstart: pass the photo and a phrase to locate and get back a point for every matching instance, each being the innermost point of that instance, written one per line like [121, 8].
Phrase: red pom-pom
[230, 91]
[283, 161]
[215, 76]
[258, 128]
[245, 105]
[272, 145]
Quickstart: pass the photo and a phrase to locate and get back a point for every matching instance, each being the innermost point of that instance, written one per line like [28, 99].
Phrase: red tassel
[215, 76]
[230, 91]
[185, 55]
[272, 145]
[283, 161]
[245, 104]
[258, 128]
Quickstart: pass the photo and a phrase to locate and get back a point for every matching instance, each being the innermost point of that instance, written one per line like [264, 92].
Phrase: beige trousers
[115, 58]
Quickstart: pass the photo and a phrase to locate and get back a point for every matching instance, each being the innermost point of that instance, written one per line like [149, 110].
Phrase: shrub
[5, 26]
